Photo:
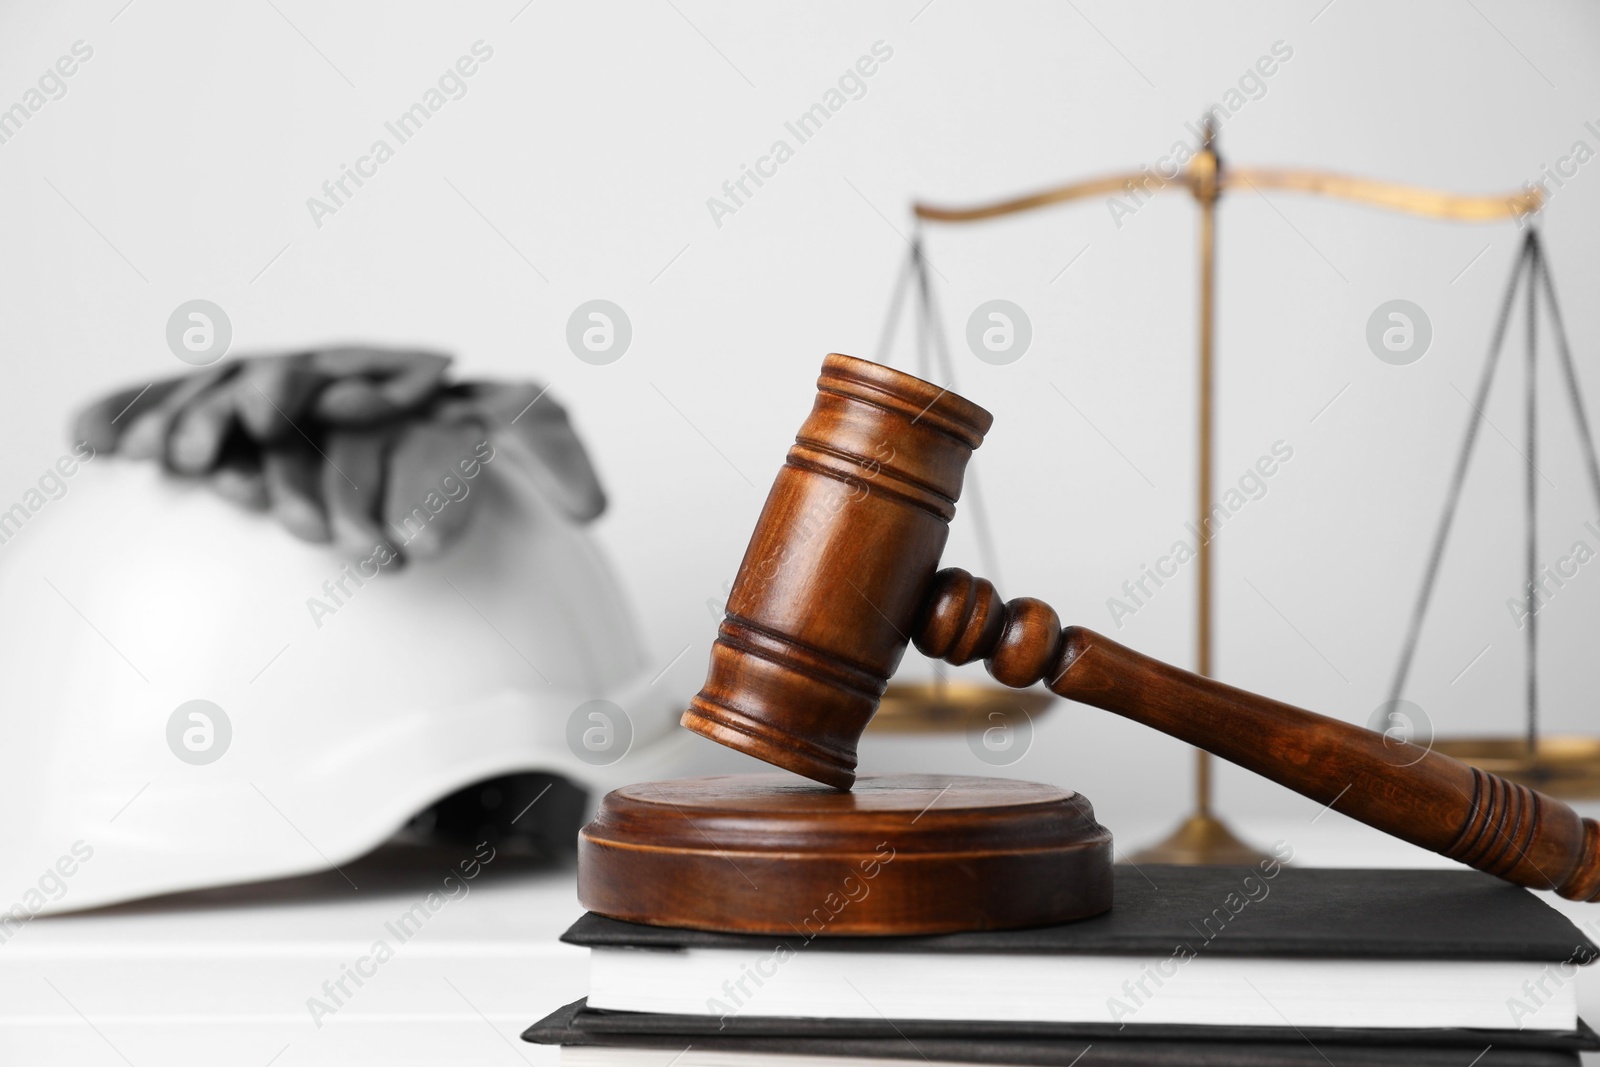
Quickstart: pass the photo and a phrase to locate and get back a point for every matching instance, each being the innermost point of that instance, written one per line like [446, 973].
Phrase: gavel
[842, 573]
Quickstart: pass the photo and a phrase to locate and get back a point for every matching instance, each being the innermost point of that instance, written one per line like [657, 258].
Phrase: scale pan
[1566, 766]
[953, 707]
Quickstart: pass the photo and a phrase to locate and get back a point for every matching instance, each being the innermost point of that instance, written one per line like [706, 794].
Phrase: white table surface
[223, 977]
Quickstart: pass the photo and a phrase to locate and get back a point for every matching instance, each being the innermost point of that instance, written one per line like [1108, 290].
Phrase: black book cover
[601, 1025]
[1229, 911]
[572, 1025]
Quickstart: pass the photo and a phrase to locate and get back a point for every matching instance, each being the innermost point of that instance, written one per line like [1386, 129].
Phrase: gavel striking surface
[901, 854]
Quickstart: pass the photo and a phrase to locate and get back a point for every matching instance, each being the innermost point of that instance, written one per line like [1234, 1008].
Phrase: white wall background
[179, 162]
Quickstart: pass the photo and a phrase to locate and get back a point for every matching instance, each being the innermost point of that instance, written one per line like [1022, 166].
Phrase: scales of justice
[843, 572]
[1565, 765]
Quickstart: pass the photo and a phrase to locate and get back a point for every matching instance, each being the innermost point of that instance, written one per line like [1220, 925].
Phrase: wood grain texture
[1409, 791]
[840, 577]
[838, 569]
[901, 854]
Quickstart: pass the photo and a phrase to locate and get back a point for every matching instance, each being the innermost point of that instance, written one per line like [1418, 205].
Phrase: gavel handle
[1406, 790]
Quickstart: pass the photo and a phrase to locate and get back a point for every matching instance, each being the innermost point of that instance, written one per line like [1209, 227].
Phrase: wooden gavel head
[839, 570]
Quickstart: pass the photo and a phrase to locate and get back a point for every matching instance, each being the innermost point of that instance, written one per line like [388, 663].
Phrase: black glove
[346, 444]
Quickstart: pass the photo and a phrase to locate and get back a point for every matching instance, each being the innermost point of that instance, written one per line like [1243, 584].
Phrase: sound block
[901, 854]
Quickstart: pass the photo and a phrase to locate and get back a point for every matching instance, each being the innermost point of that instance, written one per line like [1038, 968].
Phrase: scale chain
[1459, 476]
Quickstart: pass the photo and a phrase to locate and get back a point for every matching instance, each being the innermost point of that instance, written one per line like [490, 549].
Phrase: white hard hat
[348, 703]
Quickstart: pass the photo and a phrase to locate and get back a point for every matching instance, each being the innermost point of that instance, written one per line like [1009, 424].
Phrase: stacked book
[1221, 965]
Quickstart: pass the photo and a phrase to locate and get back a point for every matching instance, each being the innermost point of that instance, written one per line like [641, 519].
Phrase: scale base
[1201, 840]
